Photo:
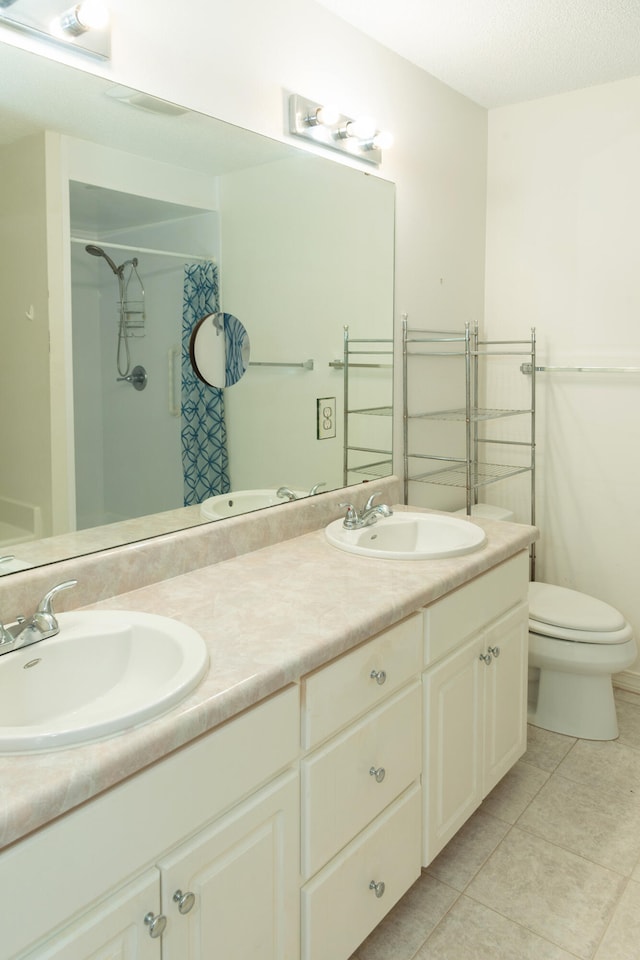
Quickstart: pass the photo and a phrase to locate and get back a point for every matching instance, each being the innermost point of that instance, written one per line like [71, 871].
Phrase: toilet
[576, 643]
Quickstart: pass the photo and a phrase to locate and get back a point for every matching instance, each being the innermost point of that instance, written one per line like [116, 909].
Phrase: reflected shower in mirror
[171, 216]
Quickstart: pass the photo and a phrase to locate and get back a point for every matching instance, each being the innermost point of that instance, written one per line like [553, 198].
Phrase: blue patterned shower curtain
[205, 462]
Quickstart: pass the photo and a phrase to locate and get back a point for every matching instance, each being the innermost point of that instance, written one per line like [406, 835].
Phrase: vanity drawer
[337, 693]
[465, 611]
[339, 906]
[340, 794]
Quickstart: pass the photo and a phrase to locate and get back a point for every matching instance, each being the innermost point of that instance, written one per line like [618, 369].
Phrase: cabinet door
[243, 873]
[452, 779]
[505, 678]
[113, 930]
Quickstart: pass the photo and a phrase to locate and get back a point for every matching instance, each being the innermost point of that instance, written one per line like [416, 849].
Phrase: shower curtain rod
[135, 249]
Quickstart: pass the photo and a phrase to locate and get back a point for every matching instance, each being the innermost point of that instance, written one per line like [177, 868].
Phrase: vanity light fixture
[84, 26]
[325, 126]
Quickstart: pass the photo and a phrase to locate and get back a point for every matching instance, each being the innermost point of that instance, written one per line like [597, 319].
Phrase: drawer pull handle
[156, 924]
[379, 676]
[494, 650]
[486, 657]
[378, 888]
[379, 773]
[185, 901]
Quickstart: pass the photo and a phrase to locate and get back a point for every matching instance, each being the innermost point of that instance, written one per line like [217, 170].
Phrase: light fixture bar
[314, 123]
[62, 22]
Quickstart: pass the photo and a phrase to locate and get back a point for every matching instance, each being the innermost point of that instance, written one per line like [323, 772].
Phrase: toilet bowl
[576, 643]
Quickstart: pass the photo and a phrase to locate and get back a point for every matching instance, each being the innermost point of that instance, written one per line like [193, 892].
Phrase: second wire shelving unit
[473, 470]
[367, 449]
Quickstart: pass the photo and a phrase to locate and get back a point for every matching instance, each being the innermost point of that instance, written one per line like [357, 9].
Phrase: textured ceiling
[498, 52]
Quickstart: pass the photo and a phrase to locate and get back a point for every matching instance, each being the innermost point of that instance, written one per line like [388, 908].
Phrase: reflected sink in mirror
[409, 536]
[105, 672]
[242, 501]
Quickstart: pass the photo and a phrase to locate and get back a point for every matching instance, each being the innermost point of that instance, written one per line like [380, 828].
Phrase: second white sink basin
[242, 501]
[409, 536]
[106, 671]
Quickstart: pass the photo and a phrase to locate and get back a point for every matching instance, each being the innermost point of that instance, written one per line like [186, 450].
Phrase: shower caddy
[470, 472]
[366, 348]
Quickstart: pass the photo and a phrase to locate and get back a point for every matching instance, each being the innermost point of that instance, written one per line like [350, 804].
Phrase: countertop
[268, 618]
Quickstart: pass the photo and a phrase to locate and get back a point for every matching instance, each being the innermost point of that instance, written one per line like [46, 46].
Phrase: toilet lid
[572, 610]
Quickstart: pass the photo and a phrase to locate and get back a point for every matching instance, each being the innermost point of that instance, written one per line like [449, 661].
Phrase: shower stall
[128, 257]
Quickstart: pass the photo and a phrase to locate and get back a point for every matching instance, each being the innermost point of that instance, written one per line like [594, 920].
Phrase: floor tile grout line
[612, 913]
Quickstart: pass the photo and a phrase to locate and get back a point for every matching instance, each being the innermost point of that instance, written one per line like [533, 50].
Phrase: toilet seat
[569, 615]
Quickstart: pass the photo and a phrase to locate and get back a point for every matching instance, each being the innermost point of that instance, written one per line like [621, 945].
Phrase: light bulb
[383, 140]
[93, 14]
[364, 128]
[324, 116]
[88, 15]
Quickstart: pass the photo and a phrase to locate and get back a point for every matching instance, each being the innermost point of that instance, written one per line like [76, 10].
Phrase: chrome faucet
[369, 515]
[42, 625]
[285, 494]
[316, 487]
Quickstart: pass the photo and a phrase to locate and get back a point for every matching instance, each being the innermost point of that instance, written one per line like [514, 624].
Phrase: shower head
[99, 252]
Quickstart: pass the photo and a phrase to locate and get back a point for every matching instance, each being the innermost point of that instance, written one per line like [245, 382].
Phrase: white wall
[563, 255]
[307, 247]
[25, 474]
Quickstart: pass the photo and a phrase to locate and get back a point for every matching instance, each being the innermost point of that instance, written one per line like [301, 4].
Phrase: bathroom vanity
[355, 714]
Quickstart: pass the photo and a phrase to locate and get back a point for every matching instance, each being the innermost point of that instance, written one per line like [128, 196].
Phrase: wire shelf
[381, 468]
[460, 414]
[374, 411]
[482, 474]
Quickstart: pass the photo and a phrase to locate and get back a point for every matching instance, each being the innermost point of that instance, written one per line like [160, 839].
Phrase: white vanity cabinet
[475, 688]
[113, 930]
[360, 789]
[196, 856]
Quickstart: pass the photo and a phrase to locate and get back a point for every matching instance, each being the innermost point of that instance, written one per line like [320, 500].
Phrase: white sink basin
[409, 536]
[242, 501]
[106, 671]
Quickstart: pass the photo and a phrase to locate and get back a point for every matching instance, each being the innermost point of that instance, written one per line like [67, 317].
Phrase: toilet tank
[486, 511]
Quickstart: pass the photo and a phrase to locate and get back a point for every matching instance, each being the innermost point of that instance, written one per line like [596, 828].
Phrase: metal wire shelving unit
[470, 472]
[372, 461]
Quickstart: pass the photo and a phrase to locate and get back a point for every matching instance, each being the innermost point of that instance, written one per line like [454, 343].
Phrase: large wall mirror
[123, 222]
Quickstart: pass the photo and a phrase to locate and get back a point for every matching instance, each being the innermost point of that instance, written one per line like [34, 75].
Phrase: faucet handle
[45, 610]
[351, 517]
[5, 636]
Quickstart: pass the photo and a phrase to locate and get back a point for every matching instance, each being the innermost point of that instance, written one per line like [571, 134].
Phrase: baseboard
[627, 680]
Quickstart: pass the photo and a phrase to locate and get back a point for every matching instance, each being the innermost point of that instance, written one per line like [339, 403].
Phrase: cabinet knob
[379, 676]
[185, 901]
[486, 657]
[377, 887]
[378, 773]
[494, 650]
[156, 924]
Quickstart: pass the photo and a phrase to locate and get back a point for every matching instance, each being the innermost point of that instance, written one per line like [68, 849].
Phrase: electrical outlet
[326, 417]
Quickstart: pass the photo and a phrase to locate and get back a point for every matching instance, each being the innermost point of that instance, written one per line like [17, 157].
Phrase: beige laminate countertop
[268, 618]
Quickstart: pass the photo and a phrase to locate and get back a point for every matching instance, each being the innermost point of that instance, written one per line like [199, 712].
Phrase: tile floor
[547, 869]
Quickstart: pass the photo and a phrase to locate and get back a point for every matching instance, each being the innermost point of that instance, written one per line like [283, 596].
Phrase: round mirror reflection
[219, 349]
